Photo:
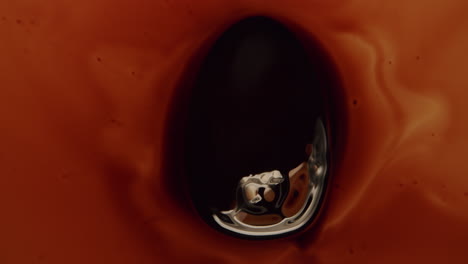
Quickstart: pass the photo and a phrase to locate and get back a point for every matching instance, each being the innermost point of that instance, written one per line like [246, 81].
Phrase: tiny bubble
[364, 246]
[98, 59]
[18, 21]
[351, 251]
[116, 122]
[389, 62]
[149, 220]
[417, 57]
[64, 176]
[355, 102]
[401, 185]
[415, 182]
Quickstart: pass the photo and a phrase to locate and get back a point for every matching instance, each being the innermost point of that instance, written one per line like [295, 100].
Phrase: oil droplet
[257, 135]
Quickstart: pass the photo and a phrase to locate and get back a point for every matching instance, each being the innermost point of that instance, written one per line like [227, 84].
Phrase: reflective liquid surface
[256, 141]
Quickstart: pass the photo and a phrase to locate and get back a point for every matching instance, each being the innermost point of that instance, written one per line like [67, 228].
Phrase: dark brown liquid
[252, 107]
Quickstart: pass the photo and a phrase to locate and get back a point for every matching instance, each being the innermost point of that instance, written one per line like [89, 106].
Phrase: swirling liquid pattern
[85, 88]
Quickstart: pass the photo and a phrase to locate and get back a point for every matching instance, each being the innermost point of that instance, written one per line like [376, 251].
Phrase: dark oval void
[252, 108]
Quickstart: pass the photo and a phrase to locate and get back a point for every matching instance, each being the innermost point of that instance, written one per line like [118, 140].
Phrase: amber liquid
[85, 93]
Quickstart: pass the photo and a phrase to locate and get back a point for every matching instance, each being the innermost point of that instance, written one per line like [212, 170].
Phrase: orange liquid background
[85, 89]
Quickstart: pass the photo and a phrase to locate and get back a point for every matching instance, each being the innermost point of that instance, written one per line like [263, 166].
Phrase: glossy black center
[252, 109]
